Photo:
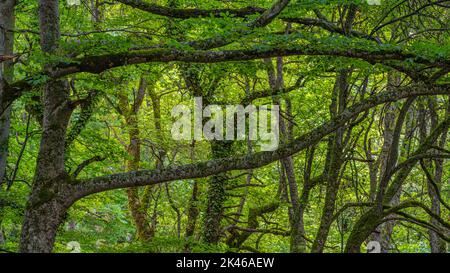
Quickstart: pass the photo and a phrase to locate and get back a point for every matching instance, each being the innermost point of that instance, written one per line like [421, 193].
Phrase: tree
[223, 52]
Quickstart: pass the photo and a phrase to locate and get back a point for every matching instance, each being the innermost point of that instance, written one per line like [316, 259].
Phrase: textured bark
[136, 205]
[216, 195]
[297, 241]
[6, 74]
[193, 212]
[336, 144]
[388, 160]
[4, 140]
[46, 206]
[383, 232]
[308, 184]
[270, 14]
[387, 228]
[43, 215]
[190, 12]
[437, 245]
[50, 198]
[364, 226]
[193, 209]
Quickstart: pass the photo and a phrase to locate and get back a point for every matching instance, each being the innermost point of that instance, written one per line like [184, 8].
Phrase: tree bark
[193, 209]
[50, 196]
[437, 245]
[216, 195]
[137, 208]
[6, 74]
[62, 195]
[336, 147]
[383, 232]
[336, 144]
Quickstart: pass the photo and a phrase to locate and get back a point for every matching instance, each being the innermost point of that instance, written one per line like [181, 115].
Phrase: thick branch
[240, 12]
[101, 63]
[190, 12]
[269, 14]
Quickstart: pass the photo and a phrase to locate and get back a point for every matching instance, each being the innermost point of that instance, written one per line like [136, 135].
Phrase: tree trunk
[437, 245]
[6, 74]
[50, 198]
[383, 232]
[216, 195]
[193, 210]
[40, 226]
[297, 230]
[336, 146]
[136, 205]
[137, 209]
[366, 224]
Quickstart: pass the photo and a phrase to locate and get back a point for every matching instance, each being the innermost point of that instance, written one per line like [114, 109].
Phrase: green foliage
[102, 222]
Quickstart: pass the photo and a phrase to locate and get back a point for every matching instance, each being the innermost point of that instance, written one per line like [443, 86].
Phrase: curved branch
[86, 163]
[409, 204]
[101, 63]
[433, 184]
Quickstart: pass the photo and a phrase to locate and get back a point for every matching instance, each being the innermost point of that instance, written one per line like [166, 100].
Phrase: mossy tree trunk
[336, 147]
[216, 197]
[337, 140]
[136, 204]
[6, 74]
[51, 194]
[437, 245]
